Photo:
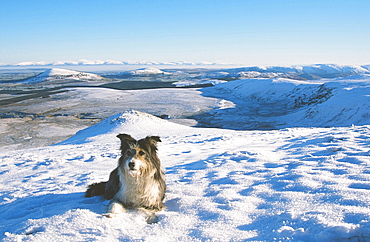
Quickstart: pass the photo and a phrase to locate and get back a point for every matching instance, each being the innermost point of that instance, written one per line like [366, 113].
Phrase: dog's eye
[141, 152]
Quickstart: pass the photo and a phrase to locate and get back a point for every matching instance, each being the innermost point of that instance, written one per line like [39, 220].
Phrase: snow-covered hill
[298, 184]
[57, 74]
[279, 103]
[142, 74]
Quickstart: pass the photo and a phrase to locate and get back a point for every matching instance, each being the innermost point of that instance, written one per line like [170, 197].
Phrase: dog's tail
[95, 189]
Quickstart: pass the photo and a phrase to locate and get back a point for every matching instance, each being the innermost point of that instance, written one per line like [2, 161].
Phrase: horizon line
[85, 62]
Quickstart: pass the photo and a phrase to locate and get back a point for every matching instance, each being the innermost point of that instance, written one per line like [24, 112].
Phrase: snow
[187, 83]
[279, 103]
[300, 184]
[300, 72]
[58, 74]
[85, 62]
[307, 179]
[148, 71]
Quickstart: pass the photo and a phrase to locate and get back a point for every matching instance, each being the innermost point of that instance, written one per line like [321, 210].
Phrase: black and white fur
[138, 181]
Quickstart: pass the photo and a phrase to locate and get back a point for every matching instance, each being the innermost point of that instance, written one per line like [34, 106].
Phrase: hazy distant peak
[148, 71]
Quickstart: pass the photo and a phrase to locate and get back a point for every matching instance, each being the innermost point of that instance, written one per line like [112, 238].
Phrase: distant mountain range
[202, 76]
[302, 72]
[108, 62]
[250, 72]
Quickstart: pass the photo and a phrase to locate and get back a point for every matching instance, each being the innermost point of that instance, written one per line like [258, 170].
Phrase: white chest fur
[138, 191]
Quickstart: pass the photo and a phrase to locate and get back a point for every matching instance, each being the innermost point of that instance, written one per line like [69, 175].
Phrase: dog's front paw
[110, 215]
[116, 208]
[152, 218]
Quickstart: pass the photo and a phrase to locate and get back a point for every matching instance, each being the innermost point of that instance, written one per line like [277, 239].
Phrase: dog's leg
[149, 215]
[114, 209]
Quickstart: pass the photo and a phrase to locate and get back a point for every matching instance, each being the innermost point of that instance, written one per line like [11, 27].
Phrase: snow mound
[57, 74]
[293, 184]
[127, 122]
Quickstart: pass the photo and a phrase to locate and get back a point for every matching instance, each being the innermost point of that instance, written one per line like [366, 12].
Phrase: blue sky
[250, 32]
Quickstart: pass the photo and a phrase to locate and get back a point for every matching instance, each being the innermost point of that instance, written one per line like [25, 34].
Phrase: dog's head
[139, 157]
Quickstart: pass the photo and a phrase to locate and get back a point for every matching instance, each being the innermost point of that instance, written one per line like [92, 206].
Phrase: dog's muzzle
[131, 165]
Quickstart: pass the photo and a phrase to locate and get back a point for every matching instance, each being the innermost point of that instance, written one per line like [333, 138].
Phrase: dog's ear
[126, 140]
[149, 143]
[153, 140]
[125, 137]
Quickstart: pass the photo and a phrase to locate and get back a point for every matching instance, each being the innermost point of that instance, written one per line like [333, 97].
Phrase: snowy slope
[300, 184]
[279, 103]
[57, 74]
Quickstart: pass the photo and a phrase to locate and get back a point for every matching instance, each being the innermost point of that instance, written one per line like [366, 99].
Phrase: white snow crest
[298, 184]
[128, 122]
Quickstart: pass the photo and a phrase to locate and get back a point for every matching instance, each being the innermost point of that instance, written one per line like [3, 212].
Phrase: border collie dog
[137, 182]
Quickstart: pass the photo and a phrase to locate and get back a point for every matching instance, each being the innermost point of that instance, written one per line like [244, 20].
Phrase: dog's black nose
[131, 165]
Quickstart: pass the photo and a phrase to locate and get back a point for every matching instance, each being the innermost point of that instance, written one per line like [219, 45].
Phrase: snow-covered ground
[306, 180]
[300, 184]
[60, 115]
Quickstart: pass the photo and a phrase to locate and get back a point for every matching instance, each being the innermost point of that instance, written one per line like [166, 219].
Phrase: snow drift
[299, 184]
